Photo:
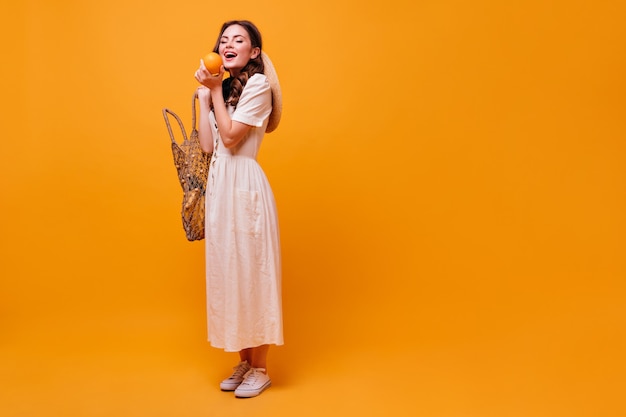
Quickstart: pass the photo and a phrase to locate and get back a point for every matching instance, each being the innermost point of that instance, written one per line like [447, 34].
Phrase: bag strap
[193, 110]
[167, 112]
[169, 128]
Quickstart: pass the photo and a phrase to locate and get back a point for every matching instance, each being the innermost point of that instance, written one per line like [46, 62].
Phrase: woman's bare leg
[258, 356]
[246, 355]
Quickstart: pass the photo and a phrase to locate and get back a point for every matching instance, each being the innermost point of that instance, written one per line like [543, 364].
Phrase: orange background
[450, 182]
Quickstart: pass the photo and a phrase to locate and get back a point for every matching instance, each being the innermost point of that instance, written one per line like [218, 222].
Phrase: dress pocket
[247, 213]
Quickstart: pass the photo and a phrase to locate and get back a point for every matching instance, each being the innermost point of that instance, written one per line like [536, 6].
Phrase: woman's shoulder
[258, 80]
[258, 76]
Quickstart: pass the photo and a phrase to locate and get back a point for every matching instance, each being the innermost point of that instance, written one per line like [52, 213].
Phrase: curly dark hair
[233, 86]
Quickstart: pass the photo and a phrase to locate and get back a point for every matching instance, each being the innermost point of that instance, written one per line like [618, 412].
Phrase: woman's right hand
[204, 95]
[204, 126]
[205, 78]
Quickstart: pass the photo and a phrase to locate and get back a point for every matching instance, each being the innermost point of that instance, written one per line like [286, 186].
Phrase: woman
[243, 266]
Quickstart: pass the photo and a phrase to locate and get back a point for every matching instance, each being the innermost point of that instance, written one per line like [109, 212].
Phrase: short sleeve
[255, 102]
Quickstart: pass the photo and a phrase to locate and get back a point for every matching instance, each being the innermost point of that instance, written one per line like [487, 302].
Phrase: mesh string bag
[192, 166]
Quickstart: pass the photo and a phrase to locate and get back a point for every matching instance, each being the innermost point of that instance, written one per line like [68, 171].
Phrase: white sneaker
[255, 382]
[232, 382]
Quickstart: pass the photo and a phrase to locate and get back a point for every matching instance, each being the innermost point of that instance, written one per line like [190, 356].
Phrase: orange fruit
[213, 62]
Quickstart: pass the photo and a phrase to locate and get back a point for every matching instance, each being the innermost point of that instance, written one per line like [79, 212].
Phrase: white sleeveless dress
[243, 264]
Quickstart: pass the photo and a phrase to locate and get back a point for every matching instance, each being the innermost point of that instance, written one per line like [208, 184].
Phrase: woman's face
[236, 49]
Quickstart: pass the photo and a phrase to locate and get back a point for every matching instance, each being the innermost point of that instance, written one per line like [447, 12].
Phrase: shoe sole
[230, 386]
[251, 394]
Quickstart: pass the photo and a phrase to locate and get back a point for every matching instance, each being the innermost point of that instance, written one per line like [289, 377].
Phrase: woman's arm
[231, 132]
[205, 134]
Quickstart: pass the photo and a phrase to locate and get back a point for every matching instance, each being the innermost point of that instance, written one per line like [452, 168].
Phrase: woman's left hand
[204, 77]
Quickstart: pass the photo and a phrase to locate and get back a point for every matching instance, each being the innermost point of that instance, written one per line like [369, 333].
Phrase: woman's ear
[256, 52]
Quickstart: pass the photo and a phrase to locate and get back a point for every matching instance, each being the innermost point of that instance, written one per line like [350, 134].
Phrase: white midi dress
[243, 261]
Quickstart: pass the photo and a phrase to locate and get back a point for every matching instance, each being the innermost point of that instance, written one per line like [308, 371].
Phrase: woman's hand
[204, 77]
[204, 95]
